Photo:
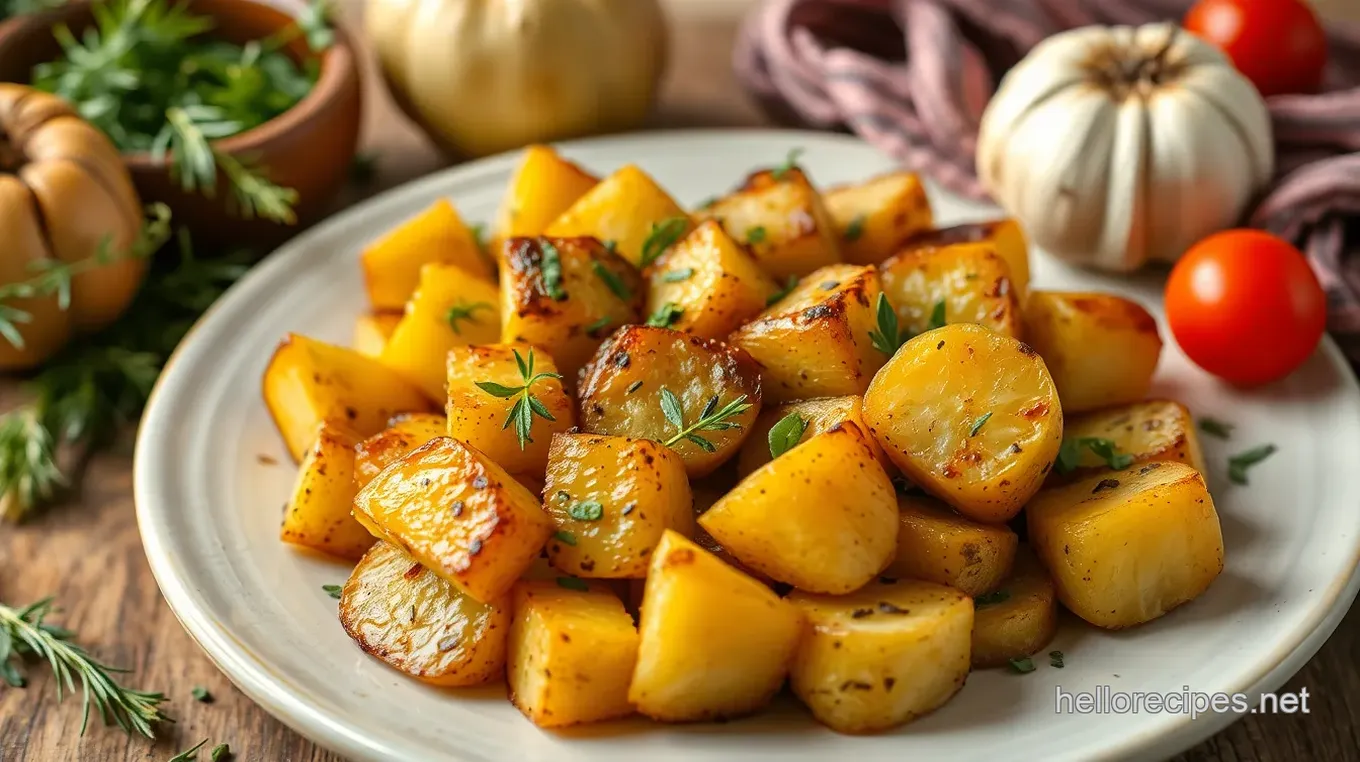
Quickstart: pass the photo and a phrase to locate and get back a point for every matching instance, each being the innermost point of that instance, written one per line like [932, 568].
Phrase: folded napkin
[913, 77]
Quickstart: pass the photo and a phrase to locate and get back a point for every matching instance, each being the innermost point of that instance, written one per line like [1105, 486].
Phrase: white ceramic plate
[209, 507]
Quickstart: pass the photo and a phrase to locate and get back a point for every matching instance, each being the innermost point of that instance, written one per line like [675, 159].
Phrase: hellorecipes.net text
[1103, 699]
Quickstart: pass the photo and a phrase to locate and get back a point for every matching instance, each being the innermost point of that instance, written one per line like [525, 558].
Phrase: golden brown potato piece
[450, 308]
[392, 264]
[1144, 431]
[883, 655]
[372, 330]
[1127, 547]
[625, 210]
[459, 514]
[875, 217]
[1101, 349]
[818, 416]
[970, 416]
[951, 284]
[712, 281]
[406, 433]
[815, 341]
[572, 653]
[308, 381]
[624, 392]
[611, 498]
[1019, 618]
[937, 545]
[821, 517]
[419, 624]
[565, 295]
[782, 219]
[318, 514]
[736, 666]
[1004, 237]
[544, 186]
[479, 417]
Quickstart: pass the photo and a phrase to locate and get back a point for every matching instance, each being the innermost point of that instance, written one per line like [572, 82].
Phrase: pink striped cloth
[913, 77]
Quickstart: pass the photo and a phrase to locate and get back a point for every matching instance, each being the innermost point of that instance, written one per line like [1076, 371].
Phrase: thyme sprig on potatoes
[711, 418]
[526, 404]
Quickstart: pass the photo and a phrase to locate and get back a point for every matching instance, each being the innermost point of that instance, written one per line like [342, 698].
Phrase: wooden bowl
[308, 148]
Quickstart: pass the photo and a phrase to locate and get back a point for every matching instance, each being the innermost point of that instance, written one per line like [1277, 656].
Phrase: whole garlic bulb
[484, 76]
[1115, 146]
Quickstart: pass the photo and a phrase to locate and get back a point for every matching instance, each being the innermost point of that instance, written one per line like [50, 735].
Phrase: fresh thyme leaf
[786, 433]
[1055, 658]
[790, 163]
[572, 583]
[565, 537]
[855, 229]
[1215, 427]
[789, 286]
[526, 405]
[678, 276]
[977, 425]
[936, 316]
[1069, 454]
[665, 315]
[886, 338]
[23, 633]
[612, 280]
[201, 694]
[587, 510]
[713, 418]
[756, 235]
[672, 409]
[662, 236]
[1022, 666]
[464, 311]
[992, 598]
[1239, 463]
[333, 590]
[190, 754]
[551, 268]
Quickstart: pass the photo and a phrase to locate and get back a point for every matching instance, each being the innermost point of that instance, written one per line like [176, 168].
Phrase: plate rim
[315, 723]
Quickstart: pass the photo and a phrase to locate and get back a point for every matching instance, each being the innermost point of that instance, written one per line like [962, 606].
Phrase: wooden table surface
[88, 554]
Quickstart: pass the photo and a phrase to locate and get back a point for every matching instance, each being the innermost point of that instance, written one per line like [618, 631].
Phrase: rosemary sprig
[465, 311]
[23, 633]
[526, 404]
[712, 418]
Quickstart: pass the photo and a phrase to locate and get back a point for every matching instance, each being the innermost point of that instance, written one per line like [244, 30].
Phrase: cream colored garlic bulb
[1115, 146]
[483, 76]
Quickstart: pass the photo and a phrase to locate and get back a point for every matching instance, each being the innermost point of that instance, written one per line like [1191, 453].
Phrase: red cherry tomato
[1278, 44]
[1245, 306]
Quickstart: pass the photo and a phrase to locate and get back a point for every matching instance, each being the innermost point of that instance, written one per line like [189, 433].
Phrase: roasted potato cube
[874, 218]
[1003, 237]
[1147, 431]
[372, 330]
[392, 264]
[626, 208]
[821, 517]
[544, 186]
[308, 381]
[318, 514]
[714, 642]
[970, 416]
[1019, 618]
[782, 219]
[572, 654]
[815, 341]
[937, 545]
[883, 655]
[564, 295]
[818, 415]
[611, 498]
[479, 417]
[955, 284]
[624, 392]
[418, 623]
[404, 434]
[1101, 349]
[1127, 547]
[459, 514]
[450, 308]
[714, 283]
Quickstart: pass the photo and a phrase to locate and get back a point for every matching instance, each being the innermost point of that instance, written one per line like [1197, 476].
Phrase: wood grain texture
[87, 552]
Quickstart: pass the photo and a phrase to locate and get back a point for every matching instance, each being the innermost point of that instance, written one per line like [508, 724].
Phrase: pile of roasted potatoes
[630, 457]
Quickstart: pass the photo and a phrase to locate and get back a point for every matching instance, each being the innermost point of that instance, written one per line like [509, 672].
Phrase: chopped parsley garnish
[678, 276]
[332, 590]
[586, 510]
[855, 229]
[1239, 463]
[756, 235]
[662, 237]
[1069, 455]
[1215, 427]
[565, 537]
[665, 315]
[612, 280]
[1023, 665]
[1055, 658]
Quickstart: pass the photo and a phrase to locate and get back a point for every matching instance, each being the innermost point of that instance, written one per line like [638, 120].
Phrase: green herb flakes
[572, 583]
[1239, 463]
[785, 434]
[978, 424]
[586, 510]
[1215, 427]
